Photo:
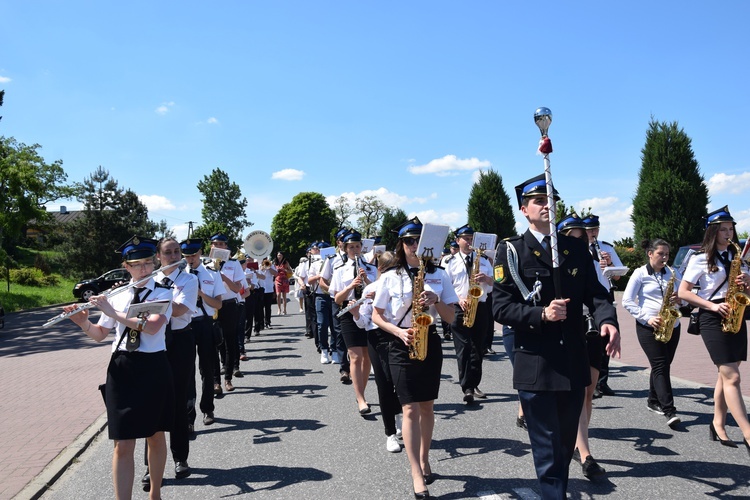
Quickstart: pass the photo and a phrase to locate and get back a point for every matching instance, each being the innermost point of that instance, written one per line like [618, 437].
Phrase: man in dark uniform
[551, 368]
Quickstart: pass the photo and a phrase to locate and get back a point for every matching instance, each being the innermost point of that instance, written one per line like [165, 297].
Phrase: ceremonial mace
[543, 119]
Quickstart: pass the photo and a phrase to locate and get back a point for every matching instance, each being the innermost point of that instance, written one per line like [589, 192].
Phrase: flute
[351, 306]
[111, 293]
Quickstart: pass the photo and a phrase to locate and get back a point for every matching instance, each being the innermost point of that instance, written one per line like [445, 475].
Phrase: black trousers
[470, 344]
[228, 350]
[337, 339]
[204, 343]
[552, 418]
[181, 356]
[267, 303]
[311, 320]
[660, 356]
[378, 343]
[249, 313]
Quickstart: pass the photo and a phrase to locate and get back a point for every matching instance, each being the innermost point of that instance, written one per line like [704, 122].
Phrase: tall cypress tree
[489, 207]
[672, 195]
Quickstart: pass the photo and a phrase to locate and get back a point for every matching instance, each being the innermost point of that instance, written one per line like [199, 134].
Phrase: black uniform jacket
[549, 356]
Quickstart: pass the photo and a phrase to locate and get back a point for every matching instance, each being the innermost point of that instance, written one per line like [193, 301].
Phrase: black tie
[134, 336]
[594, 253]
[469, 265]
[546, 244]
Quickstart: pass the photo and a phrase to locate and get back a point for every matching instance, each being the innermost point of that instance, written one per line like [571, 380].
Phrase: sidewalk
[50, 396]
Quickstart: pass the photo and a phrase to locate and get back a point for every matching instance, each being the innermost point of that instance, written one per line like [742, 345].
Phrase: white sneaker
[399, 421]
[324, 358]
[392, 444]
[335, 358]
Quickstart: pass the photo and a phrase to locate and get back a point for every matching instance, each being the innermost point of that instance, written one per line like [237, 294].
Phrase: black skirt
[354, 336]
[724, 348]
[416, 381]
[140, 395]
[595, 347]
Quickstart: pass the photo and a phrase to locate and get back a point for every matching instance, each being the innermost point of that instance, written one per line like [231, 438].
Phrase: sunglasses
[409, 241]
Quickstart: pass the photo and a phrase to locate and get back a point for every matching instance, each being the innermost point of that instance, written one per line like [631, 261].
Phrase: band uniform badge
[499, 274]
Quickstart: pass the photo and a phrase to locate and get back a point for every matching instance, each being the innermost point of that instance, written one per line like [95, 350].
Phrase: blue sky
[403, 100]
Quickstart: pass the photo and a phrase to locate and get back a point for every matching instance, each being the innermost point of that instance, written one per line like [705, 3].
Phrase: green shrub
[30, 276]
[631, 257]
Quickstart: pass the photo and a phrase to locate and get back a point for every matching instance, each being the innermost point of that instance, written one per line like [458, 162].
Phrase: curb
[42, 482]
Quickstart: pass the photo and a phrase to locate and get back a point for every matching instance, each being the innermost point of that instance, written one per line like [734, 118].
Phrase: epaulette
[160, 285]
[450, 258]
[608, 243]
[439, 267]
[339, 266]
[486, 256]
[516, 237]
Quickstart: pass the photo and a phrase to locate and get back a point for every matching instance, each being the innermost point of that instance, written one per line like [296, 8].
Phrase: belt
[229, 301]
[198, 319]
[186, 329]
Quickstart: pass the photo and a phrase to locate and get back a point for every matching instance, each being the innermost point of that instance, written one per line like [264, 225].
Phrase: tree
[163, 231]
[305, 219]
[371, 211]
[27, 183]
[672, 196]
[111, 215]
[561, 210]
[392, 218]
[2, 96]
[489, 206]
[223, 204]
[343, 210]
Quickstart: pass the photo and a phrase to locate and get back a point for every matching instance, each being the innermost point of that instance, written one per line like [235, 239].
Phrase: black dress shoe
[468, 396]
[597, 393]
[345, 378]
[715, 437]
[237, 373]
[181, 470]
[521, 422]
[591, 469]
[479, 394]
[606, 390]
[429, 478]
[208, 418]
[146, 482]
[422, 494]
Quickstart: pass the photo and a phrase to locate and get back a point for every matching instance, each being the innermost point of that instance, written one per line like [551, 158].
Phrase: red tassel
[545, 145]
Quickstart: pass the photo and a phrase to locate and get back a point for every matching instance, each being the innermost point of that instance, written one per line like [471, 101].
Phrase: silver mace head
[543, 119]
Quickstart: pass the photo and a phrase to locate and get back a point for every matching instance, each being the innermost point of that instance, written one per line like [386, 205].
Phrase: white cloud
[288, 174]
[5, 79]
[452, 219]
[164, 108]
[180, 231]
[728, 183]
[449, 165]
[614, 216]
[212, 121]
[155, 202]
[383, 194]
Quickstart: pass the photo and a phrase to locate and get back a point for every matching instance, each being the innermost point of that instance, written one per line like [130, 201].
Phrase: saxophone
[475, 291]
[668, 313]
[736, 297]
[420, 320]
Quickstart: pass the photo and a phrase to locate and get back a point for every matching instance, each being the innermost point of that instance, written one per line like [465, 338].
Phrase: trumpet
[111, 293]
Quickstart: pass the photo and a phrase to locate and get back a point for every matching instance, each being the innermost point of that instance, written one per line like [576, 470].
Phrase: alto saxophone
[420, 320]
[668, 313]
[736, 297]
[475, 291]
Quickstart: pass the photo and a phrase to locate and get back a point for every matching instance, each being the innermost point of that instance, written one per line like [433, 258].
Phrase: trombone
[88, 305]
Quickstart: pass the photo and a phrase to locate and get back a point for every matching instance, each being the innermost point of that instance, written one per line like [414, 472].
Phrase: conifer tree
[489, 207]
[672, 195]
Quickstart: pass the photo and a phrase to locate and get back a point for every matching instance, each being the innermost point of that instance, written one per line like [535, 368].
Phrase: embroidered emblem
[565, 252]
[573, 271]
[499, 274]
[537, 253]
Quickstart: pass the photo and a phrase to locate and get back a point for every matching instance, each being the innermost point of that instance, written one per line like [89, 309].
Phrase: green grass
[27, 297]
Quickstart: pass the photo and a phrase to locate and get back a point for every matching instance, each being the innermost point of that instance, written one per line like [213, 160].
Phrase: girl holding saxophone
[644, 298]
[711, 268]
[417, 382]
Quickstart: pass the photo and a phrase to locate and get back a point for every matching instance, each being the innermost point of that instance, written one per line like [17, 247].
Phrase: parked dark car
[86, 289]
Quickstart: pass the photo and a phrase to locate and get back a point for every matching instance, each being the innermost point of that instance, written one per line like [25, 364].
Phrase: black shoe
[654, 407]
[238, 373]
[422, 494]
[715, 437]
[606, 390]
[345, 378]
[309, 335]
[218, 391]
[479, 394]
[181, 470]
[208, 418]
[269, 327]
[191, 432]
[489, 351]
[257, 333]
[597, 393]
[146, 482]
[577, 455]
[468, 396]
[429, 478]
[672, 419]
[591, 469]
[521, 422]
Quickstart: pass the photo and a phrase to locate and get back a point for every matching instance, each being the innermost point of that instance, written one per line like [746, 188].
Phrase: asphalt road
[291, 430]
